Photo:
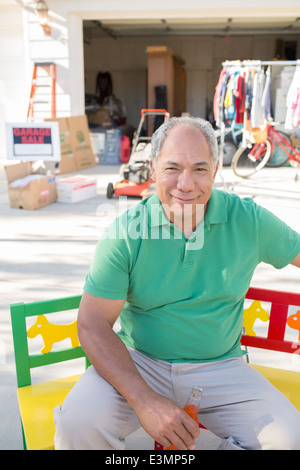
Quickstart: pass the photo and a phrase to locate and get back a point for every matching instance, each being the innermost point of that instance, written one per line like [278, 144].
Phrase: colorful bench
[36, 401]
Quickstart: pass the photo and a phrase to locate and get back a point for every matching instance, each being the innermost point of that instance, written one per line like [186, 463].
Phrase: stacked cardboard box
[76, 147]
[27, 189]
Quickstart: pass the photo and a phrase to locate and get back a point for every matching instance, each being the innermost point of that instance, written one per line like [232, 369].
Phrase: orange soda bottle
[191, 407]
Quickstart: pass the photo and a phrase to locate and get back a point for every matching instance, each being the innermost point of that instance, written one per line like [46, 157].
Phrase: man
[176, 269]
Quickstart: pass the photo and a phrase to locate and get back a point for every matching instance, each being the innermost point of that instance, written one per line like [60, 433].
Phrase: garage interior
[119, 49]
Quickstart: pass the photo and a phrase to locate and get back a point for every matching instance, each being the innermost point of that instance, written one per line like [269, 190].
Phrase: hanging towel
[266, 96]
[256, 112]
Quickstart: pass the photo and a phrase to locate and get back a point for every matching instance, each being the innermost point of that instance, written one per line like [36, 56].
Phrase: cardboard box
[76, 147]
[76, 189]
[295, 140]
[28, 190]
[81, 142]
[67, 163]
[100, 117]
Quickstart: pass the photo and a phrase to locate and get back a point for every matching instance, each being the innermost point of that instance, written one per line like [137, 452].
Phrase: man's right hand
[167, 423]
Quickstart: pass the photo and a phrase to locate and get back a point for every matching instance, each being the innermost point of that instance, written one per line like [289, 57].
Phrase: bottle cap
[197, 391]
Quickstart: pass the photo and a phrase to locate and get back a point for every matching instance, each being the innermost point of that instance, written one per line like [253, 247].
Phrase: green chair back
[25, 361]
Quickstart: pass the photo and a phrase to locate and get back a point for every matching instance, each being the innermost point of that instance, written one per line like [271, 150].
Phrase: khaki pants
[238, 404]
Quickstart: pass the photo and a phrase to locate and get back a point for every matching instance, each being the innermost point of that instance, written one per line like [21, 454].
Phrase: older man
[176, 269]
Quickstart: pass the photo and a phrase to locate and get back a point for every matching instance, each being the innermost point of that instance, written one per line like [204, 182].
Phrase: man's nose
[186, 181]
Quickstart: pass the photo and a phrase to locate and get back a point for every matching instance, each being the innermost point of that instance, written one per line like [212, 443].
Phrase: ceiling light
[42, 10]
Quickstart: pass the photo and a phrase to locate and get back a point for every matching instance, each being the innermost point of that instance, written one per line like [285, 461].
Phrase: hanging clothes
[239, 99]
[293, 101]
[219, 96]
[257, 114]
[229, 102]
[266, 95]
[240, 88]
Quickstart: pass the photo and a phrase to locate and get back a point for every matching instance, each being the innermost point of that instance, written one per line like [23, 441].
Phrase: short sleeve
[279, 244]
[108, 275]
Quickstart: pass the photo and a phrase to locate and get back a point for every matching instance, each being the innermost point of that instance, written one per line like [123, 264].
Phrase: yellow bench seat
[287, 381]
[36, 404]
[38, 401]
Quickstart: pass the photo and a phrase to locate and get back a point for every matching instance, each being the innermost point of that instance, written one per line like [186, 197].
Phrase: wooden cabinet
[166, 68]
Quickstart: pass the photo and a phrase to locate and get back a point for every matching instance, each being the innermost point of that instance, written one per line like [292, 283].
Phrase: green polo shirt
[184, 298]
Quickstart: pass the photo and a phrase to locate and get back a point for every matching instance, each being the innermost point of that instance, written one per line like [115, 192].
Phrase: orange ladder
[37, 82]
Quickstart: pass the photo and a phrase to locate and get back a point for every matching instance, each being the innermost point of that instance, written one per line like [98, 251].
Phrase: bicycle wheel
[251, 159]
[229, 149]
[280, 153]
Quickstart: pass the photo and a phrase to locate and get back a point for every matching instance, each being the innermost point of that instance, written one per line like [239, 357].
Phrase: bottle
[191, 407]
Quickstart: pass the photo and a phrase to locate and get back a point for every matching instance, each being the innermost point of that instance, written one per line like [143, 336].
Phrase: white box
[76, 189]
[283, 83]
[280, 106]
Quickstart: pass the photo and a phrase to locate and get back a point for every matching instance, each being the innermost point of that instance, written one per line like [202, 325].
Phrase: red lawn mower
[136, 174]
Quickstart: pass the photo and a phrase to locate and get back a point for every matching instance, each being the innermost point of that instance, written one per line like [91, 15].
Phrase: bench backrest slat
[280, 303]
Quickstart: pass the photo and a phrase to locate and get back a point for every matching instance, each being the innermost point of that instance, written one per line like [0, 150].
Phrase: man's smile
[185, 200]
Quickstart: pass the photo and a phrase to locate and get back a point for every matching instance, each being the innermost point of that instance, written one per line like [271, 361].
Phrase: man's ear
[216, 171]
[153, 175]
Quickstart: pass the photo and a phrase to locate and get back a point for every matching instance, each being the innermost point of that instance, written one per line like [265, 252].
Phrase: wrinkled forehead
[185, 142]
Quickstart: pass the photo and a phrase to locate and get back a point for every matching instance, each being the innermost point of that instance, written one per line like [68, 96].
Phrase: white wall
[12, 69]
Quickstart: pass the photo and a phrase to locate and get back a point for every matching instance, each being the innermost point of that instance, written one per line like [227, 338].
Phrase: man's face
[184, 174]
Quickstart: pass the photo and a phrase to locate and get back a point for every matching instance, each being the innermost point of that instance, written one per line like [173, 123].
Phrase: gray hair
[194, 122]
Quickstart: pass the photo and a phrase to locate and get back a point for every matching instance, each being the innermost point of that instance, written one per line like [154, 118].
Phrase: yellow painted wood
[251, 314]
[52, 333]
[288, 382]
[36, 404]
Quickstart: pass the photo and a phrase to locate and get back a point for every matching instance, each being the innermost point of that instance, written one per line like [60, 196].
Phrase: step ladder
[44, 76]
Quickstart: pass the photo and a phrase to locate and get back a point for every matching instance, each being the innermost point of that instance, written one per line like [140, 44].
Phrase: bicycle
[230, 142]
[266, 147]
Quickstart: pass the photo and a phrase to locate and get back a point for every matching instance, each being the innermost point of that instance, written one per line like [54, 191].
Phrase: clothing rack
[247, 64]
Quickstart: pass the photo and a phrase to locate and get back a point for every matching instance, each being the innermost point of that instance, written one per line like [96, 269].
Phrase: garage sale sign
[33, 141]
